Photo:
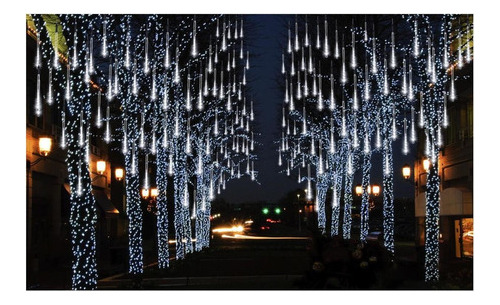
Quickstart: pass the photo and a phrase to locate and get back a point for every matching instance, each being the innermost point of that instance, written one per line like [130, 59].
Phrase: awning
[456, 201]
[102, 200]
[453, 201]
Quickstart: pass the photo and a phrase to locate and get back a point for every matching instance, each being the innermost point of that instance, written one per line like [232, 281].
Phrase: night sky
[267, 34]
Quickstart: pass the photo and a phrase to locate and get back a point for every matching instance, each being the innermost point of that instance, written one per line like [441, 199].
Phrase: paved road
[230, 264]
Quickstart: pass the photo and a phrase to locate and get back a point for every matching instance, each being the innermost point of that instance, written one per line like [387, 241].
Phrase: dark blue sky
[267, 35]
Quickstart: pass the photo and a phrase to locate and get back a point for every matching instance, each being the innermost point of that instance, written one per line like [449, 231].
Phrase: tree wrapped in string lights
[392, 78]
[149, 68]
[62, 52]
[438, 46]
[341, 130]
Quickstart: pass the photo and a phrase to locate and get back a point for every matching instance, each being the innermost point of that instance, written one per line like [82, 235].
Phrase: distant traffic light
[277, 211]
[265, 211]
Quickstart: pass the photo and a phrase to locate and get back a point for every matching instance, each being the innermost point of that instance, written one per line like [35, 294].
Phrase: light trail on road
[239, 236]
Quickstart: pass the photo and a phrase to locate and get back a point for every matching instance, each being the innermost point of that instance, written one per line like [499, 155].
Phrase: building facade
[48, 245]
[456, 174]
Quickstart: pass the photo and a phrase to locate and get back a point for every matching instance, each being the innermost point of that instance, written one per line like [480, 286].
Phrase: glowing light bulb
[74, 64]
[406, 148]
[56, 49]
[404, 88]
[355, 103]
[283, 64]
[374, 56]
[416, 47]
[413, 131]
[445, 112]
[332, 141]
[146, 56]
[318, 42]
[153, 143]
[394, 133]
[124, 141]
[386, 82]
[343, 132]
[411, 95]
[170, 165]
[98, 120]
[110, 83]
[332, 93]
[296, 47]
[90, 51]
[194, 49]
[453, 94]
[355, 140]
[81, 134]
[343, 76]
[326, 46]
[468, 56]
[188, 93]
[107, 135]
[38, 99]
[393, 51]
[446, 62]
[104, 42]
[63, 131]
[38, 57]
[460, 60]
[336, 52]
[353, 54]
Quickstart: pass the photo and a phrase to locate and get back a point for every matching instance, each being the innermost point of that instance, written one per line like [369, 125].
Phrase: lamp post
[44, 148]
[119, 174]
[299, 209]
[358, 190]
[406, 172]
[426, 164]
[100, 169]
[371, 190]
[150, 196]
[300, 220]
[366, 206]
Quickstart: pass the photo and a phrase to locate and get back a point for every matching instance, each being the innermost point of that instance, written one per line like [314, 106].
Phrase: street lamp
[145, 193]
[426, 164]
[371, 189]
[119, 174]
[359, 190]
[300, 220]
[44, 146]
[101, 167]
[154, 192]
[150, 196]
[406, 172]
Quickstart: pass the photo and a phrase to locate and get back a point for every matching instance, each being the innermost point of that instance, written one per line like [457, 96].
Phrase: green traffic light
[277, 210]
[265, 211]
